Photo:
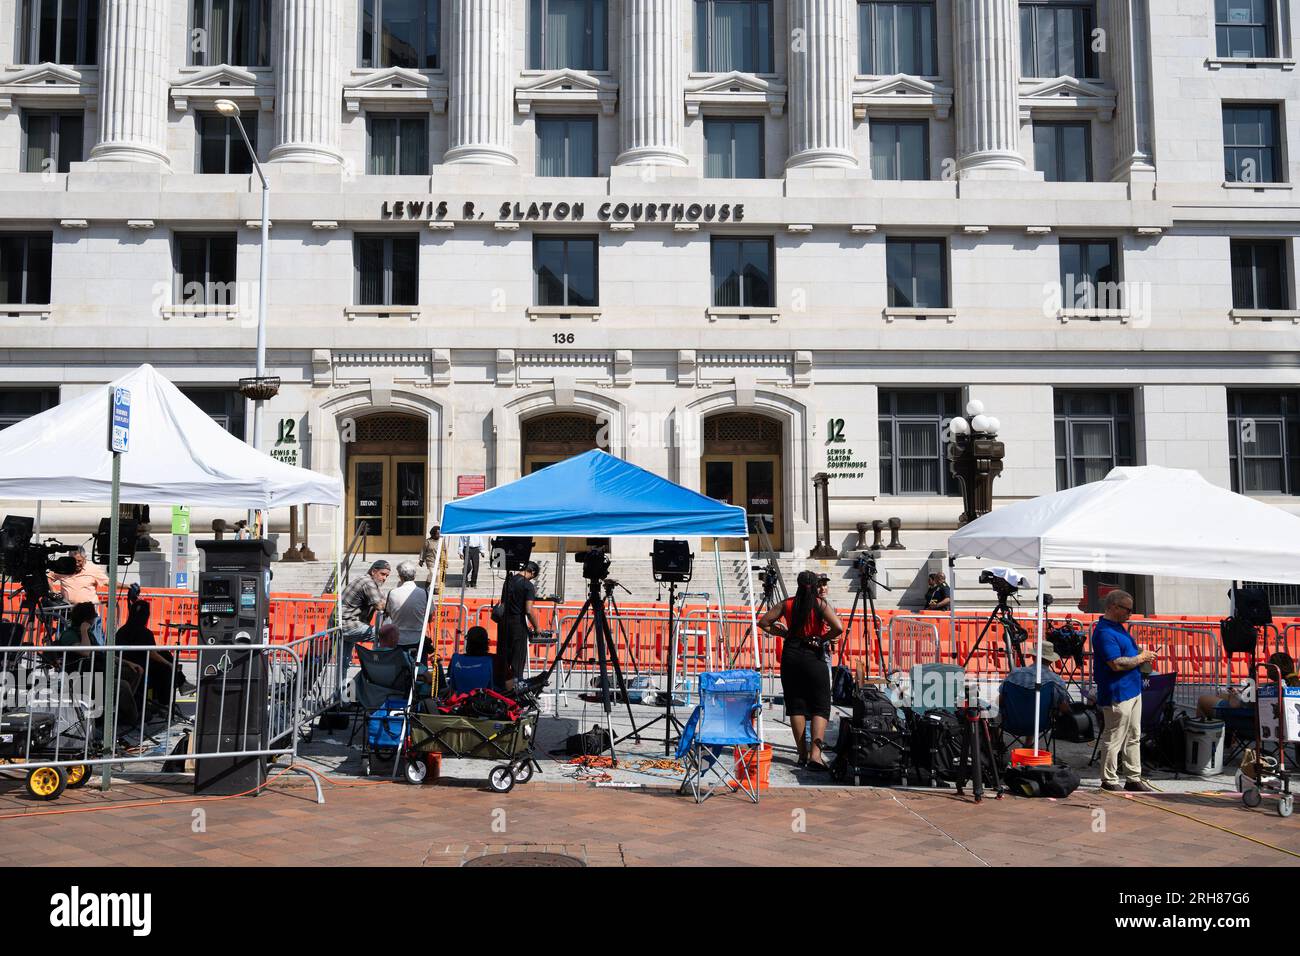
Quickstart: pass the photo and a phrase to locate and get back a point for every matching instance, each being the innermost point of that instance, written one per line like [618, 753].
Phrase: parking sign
[119, 438]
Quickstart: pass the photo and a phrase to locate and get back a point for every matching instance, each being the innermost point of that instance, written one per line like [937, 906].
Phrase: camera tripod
[672, 726]
[866, 568]
[1010, 630]
[606, 655]
[769, 576]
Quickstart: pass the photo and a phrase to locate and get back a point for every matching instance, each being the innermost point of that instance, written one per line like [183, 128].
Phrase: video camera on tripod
[1004, 582]
[595, 563]
[28, 562]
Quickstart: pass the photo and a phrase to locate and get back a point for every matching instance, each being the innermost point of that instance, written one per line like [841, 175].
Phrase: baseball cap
[381, 565]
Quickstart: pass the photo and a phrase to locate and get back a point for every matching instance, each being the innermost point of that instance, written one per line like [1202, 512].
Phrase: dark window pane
[39, 258]
[406, 270]
[40, 143]
[71, 135]
[582, 272]
[370, 266]
[548, 259]
[734, 35]
[726, 273]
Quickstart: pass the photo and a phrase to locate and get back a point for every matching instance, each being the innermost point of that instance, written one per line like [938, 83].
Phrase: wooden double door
[754, 483]
[390, 493]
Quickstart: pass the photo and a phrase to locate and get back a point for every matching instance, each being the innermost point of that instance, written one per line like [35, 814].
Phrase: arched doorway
[742, 465]
[388, 481]
[548, 439]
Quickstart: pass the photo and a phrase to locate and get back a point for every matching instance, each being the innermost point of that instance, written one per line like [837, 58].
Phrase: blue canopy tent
[598, 495]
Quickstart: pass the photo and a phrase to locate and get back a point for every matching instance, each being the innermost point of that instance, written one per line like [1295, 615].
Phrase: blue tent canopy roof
[594, 495]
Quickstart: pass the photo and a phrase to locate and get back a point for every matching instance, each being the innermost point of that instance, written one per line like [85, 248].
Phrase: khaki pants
[1120, 740]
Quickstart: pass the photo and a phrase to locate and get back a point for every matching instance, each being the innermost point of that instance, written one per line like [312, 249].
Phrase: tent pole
[722, 603]
[419, 654]
[952, 609]
[1038, 659]
[753, 629]
[462, 623]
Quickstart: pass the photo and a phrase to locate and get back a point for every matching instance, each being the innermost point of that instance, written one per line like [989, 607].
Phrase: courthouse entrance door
[388, 483]
[742, 465]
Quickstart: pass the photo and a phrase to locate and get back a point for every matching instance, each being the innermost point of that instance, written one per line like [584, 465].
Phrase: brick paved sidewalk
[396, 824]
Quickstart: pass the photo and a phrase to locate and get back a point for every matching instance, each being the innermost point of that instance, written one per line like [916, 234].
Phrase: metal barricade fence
[320, 658]
[912, 641]
[146, 730]
[1191, 651]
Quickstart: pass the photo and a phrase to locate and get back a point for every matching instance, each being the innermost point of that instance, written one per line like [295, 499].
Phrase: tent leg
[722, 603]
[952, 608]
[753, 629]
[1038, 658]
[462, 622]
[419, 654]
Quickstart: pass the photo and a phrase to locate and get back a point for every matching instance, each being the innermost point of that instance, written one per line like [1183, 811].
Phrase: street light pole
[261, 386]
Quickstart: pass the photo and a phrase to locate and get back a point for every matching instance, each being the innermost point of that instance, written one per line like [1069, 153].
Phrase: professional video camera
[864, 562]
[1005, 582]
[26, 562]
[595, 563]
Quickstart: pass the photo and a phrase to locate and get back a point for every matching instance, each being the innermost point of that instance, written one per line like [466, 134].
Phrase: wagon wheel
[501, 779]
[523, 771]
[47, 783]
[416, 770]
[1285, 805]
[1251, 797]
[78, 776]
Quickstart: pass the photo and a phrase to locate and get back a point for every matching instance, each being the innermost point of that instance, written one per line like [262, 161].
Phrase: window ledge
[536, 312]
[227, 312]
[1276, 62]
[1094, 315]
[1258, 186]
[892, 314]
[1265, 315]
[353, 312]
[743, 312]
[15, 311]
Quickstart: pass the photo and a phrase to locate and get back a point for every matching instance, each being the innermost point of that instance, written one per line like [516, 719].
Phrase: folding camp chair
[1017, 712]
[1157, 710]
[729, 703]
[385, 672]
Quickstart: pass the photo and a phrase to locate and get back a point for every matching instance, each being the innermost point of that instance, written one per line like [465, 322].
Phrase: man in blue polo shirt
[1117, 664]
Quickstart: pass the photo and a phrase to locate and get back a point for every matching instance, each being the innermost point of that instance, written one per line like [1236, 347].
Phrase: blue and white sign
[119, 438]
[1271, 713]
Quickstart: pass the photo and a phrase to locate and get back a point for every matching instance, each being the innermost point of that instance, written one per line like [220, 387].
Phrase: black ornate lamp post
[975, 459]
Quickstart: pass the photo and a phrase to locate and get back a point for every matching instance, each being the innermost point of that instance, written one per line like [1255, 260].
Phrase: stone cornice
[395, 88]
[734, 92]
[223, 82]
[570, 89]
[50, 85]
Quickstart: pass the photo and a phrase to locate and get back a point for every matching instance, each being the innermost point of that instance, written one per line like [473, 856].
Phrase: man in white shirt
[405, 605]
[471, 549]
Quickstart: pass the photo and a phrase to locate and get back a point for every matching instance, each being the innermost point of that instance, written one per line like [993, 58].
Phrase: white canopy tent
[1145, 520]
[178, 455]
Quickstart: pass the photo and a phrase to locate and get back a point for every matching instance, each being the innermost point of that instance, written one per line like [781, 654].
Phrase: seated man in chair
[473, 669]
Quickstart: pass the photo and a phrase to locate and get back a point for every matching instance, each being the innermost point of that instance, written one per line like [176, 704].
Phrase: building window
[917, 272]
[401, 33]
[1056, 38]
[388, 269]
[566, 146]
[896, 37]
[399, 146]
[52, 141]
[25, 268]
[733, 149]
[1063, 151]
[221, 148]
[900, 149]
[568, 35]
[1251, 144]
[742, 274]
[1259, 279]
[205, 270]
[1090, 275]
[234, 32]
[914, 442]
[17, 404]
[1094, 433]
[60, 31]
[225, 406]
[566, 271]
[1264, 442]
[733, 35]
[1243, 29]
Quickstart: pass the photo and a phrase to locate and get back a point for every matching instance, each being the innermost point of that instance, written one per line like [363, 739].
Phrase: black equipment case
[15, 727]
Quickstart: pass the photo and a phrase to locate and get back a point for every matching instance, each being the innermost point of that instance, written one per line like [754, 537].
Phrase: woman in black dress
[807, 624]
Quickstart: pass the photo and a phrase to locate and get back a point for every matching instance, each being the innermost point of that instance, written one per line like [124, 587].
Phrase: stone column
[821, 84]
[1129, 57]
[987, 47]
[132, 83]
[653, 74]
[480, 119]
[308, 89]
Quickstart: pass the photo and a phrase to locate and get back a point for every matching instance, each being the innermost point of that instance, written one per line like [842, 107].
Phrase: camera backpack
[872, 704]
[868, 755]
[936, 747]
[1052, 780]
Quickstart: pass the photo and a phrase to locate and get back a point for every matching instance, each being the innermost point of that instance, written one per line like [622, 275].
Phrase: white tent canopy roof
[1148, 520]
[177, 455]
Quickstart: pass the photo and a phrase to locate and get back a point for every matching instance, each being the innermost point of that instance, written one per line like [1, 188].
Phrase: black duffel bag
[867, 756]
[1049, 780]
[936, 748]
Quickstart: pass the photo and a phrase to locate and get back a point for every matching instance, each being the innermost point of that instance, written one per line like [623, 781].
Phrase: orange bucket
[1024, 757]
[754, 764]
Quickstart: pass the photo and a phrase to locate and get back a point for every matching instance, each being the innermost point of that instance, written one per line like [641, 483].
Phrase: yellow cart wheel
[47, 783]
[78, 776]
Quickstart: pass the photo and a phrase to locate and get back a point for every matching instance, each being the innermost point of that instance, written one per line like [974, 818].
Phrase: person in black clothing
[938, 596]
[162, 679]
[520, 620]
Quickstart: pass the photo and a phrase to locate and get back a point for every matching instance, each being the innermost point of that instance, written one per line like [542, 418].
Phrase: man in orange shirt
[82, 586]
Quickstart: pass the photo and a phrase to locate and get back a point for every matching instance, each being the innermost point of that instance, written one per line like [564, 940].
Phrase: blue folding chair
[1017, 712]
[467, 673]
[730, 701]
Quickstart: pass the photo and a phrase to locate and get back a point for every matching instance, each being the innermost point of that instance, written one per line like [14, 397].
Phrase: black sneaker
[1140, 786]
[1112, 787]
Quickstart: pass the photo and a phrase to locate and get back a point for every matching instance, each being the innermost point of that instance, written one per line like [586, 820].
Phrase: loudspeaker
[230, 716]
[127, 536]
